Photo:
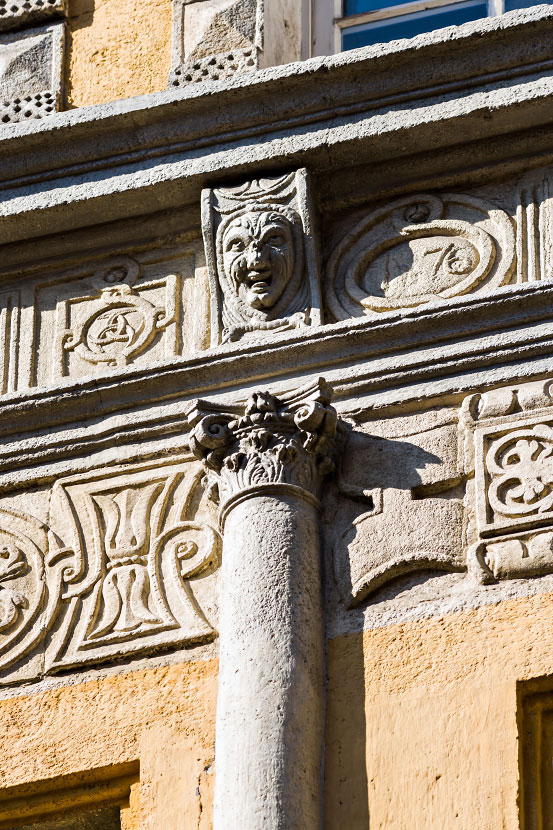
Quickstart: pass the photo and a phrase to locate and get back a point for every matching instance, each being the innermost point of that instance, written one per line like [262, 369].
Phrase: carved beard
[258, 257]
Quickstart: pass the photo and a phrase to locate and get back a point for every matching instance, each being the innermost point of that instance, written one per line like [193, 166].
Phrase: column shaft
[270, 710]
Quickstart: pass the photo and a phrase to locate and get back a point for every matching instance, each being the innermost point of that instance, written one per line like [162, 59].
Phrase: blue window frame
[366, 22]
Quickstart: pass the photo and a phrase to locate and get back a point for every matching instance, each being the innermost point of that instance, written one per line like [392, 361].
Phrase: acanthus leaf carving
[266, 443]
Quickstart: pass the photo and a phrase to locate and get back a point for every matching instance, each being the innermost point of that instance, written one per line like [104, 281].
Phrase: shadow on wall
[397, 468]
[346, 785]
[80, 16]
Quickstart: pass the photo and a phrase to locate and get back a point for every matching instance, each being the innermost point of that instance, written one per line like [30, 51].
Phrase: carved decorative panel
[126, 311]
[215, 40]
[31, 70]
[510, 447]
[133, 552]
[262, 260]
[122, 563]
[30, 582]
[419, 249]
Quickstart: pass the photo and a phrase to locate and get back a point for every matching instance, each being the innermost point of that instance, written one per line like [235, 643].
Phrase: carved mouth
[258, 281]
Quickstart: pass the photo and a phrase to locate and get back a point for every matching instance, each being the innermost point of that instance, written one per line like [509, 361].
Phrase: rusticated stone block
[17, 13]
[214, 40]
[31, 73]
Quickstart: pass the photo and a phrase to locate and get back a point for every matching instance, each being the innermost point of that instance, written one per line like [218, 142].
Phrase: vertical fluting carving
[266, 462]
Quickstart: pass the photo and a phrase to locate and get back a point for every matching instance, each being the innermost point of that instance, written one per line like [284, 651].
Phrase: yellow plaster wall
[117, 49]
[163, 718]
[422, 720]
[421, 727]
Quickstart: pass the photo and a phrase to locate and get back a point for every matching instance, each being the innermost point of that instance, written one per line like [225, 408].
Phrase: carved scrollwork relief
[509, 444]
[30, 579]
[417, 250]
[261, 257]
[125, 312]
[117, 570]
[135, 550]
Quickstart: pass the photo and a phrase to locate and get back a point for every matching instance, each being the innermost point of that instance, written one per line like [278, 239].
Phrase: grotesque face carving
[258, 257]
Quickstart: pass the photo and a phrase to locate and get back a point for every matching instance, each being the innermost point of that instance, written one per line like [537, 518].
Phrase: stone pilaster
[268, 463]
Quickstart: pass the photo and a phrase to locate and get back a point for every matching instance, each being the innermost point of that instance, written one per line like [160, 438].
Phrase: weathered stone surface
[214, 39]
[261, 250]
[267, 462]
[417, 250]
[32, 71]
[280, 102]
[430, 179]
[15, 14]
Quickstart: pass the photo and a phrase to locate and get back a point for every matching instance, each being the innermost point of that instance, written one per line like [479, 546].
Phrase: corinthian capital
[268, 443]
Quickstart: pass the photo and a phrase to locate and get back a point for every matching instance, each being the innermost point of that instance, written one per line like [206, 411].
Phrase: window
[365, 22]
[106, 818]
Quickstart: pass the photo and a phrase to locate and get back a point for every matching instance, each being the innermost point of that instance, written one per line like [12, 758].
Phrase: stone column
[268, 463]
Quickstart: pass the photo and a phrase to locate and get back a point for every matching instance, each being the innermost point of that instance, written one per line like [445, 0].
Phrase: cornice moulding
[372, 362]
[480, 80]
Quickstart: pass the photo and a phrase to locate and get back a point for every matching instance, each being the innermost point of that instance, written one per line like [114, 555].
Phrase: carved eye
[276, 239]
[236, 245]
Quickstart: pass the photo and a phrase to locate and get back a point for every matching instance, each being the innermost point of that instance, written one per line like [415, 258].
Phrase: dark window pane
[409, 25]
[520, 4]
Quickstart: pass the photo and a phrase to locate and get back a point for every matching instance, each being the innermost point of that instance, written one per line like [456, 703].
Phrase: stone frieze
[420, 249]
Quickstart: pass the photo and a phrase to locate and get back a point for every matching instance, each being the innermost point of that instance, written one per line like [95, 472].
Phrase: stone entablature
[123, 302]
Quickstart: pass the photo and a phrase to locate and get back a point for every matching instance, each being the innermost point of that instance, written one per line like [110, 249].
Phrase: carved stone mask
[258, 257]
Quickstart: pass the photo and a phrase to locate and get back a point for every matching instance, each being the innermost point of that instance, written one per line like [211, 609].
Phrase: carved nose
[256, 259]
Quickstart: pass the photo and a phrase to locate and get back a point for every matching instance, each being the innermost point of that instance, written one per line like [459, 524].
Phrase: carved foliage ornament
[509, 433]
[261, 257]
[269, 442]
[419, 249]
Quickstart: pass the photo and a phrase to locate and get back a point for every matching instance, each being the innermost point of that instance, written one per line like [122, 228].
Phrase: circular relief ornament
[417, 250]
